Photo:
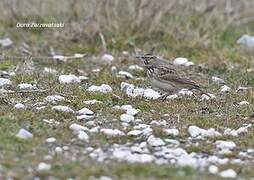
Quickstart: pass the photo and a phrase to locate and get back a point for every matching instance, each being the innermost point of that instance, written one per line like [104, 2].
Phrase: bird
[165, 76]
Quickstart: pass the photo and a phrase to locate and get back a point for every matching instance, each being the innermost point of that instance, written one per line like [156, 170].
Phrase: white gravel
[68, 79]
[42, 167]
[225, 88]
[27, 86]
[4, 81]
[127, 118]
[197, 132]
[104, 88]
[19, 106]
[108, 58]
[54, 99]
[24, 134]
[64, 109]
[229, 173]
[229, 145]
[112, 132]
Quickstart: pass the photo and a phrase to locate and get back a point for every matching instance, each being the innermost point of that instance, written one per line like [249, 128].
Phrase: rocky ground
[75, 103]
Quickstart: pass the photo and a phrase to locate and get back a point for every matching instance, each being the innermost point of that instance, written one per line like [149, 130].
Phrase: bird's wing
[174, 77]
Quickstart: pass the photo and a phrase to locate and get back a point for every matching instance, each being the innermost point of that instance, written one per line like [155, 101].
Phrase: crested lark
[164, 75]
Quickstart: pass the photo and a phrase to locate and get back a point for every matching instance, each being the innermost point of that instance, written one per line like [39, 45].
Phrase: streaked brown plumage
[165, 76]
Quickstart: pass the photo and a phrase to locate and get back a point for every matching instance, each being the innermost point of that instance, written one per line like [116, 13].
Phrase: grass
[208, 38]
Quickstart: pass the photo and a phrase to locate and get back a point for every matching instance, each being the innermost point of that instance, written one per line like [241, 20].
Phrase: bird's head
[147, 59]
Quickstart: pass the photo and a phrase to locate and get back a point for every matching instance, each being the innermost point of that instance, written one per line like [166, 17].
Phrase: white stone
[126, 107]
[230, 145]
[217, 79]
[83, 78]
[171, 97]
[185, 92]
[195, 132]
[108, 58]
[24, 134]
[132, 111]
[243, 103]
[206, 97]
[91, 102]
[134, 133]
[85, 111]
[59, 150]
[151, 94]
[153, 141]
[4, 81]
[180, 61]
[135, 68]
[247, 41]
[83, 136]
[54, 99]
[104, 88]
[112, 132]
[6, 42]
[127, 118]
[172, 132]
[76, 127]
[138, 92]
[125, 74]
[105, 178]
[64, 109]
[43, 167]
[51, 140]
[85, 117]
[50, 71]
[225, 88]
[60, 58]
[126, 87]
[26, 86]
[78, 55]
[68, 79]
[19, 106]
[213, 169]
[229, 173]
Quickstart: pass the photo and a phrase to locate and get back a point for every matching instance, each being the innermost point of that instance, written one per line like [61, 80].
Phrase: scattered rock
[24, 134]
[217, 79]
[19, 106]
[64, 109]
[68, 79]
[230, 145]
[54, 99]
[83, 136]
[171, 132]
[6, 42]
[230, 173]
[42, 167]
[27, 86]
[213, 169]
[76, 127]
[197, 132]
[104, 88]
[247, 41]
[91, 102]
[243, 103]
[108, 58]
[153, 141]
[51, 140]
[125, 74]
[127, 118]
[182, 61]
[112, 132]
[151, 94]
[4, 82]
[225, 88]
